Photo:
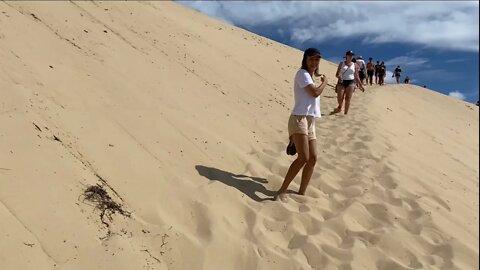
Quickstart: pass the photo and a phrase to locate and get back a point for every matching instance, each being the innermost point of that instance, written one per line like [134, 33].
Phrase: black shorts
[361, 74]
[370, 73]
[347, 83]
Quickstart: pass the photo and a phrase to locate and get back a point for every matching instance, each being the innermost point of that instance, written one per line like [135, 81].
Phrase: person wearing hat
[301, 124]
[361, 72]
[348, 78]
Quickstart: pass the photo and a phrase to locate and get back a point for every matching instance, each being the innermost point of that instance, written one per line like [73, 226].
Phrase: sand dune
[182, 121]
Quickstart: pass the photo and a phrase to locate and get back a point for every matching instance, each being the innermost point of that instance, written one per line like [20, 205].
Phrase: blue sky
[435, 43]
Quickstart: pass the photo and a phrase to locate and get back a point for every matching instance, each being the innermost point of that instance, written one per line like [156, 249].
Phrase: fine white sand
[182, 120]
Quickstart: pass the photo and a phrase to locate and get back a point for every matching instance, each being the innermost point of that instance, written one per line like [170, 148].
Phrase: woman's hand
[323, 79]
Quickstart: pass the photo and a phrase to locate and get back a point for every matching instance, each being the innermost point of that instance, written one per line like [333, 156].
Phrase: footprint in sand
[389, 264]
[391, 199]
[387, 182]
[315, 257]
[274, 225]
[352, 191]
[357, 145]
[380, 212]
[202, 221]
[297, 241]
[433, 236]
[303, 208]
[411, 226]
[345, 267]
[368, 238]
[338, 253]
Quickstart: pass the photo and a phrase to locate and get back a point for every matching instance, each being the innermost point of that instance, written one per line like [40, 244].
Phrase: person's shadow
[247, 184]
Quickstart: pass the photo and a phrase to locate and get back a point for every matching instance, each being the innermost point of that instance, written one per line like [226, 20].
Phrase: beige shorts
[301, 124]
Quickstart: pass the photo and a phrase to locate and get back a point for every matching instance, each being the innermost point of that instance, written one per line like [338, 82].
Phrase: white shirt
[361, 64]
[305, 104]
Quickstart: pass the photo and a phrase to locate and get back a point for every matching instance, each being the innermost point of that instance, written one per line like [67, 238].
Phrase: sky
[435, 43]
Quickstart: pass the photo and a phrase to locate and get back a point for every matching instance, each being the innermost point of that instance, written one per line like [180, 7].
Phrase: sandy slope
[182, 120]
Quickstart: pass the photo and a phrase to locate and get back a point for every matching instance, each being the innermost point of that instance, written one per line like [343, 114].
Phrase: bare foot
[282, 197]
[336, 110]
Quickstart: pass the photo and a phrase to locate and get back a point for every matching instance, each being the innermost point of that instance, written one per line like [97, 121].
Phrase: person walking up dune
[347, 74]
[377, 70]
[301, 124]
[397, 73]
[382, 72]
[362, 72]
[370, 71]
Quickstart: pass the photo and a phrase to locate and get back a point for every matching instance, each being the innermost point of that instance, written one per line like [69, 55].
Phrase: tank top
[348, 72]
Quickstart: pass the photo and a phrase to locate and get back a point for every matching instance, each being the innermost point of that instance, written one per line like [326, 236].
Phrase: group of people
[350, 75]
[368, 70]
[379, 70]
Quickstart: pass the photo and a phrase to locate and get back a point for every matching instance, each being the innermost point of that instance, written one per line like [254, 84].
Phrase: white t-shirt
[361, 64]
[305, 104]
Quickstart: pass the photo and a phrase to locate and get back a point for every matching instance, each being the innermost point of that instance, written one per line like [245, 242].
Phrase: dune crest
[178, 122]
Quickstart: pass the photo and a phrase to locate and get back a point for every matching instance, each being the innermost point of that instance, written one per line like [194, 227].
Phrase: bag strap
[343, 64]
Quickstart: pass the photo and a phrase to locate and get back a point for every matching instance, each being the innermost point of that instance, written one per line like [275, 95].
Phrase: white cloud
[457, 94]
[389, 79]
[445, 25]
[407, 61]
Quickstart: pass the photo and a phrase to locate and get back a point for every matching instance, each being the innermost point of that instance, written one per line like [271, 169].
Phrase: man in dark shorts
[370, 70]
[377, 69]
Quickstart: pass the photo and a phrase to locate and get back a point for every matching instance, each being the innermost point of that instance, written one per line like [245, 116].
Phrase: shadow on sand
[247, 184]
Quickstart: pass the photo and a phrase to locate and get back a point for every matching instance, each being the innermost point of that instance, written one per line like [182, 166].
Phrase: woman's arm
[337, 74]
[317, 91]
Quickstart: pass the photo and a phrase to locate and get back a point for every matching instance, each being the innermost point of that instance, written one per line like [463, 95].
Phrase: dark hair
[305, 67]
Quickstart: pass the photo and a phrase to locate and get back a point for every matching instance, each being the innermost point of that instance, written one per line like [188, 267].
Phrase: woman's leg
[340, 96]
[348, 97]
[308, 169]
[301, 144]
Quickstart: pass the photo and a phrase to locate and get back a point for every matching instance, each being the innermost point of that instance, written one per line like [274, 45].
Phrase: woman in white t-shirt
[301, 124]
[347, 74]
